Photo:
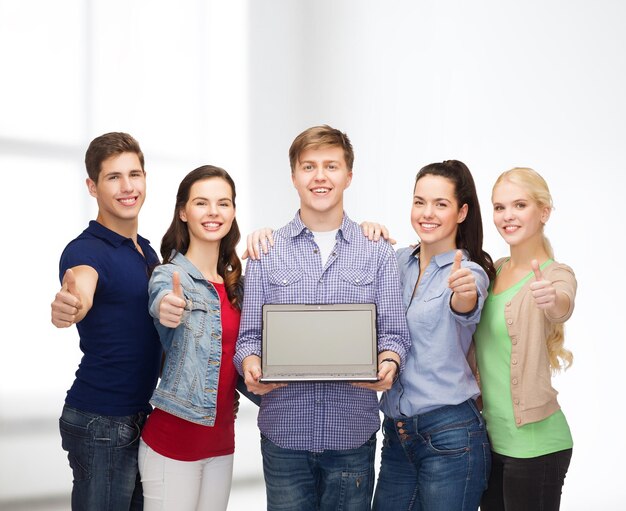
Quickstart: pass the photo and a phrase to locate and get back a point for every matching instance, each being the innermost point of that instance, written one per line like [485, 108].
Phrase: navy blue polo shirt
[121, 348]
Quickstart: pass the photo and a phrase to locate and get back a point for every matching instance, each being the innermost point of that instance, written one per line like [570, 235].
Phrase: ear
[462, 214]
[349, 179]
[182, 215]
[91, 187]
[545, 214]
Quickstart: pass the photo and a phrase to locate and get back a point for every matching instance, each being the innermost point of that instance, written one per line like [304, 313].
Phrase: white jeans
[172, 485]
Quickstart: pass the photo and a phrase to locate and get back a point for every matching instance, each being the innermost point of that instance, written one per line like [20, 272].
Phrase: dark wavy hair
[176, 239]
[469, 235]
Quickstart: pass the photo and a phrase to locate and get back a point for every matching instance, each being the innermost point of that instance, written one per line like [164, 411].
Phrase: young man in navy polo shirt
[104, 274]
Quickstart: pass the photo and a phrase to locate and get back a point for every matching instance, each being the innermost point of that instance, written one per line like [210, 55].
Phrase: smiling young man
[318, 439]
[104, 274]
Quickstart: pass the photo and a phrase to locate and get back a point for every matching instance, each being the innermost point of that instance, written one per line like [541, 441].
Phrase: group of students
[456, 334]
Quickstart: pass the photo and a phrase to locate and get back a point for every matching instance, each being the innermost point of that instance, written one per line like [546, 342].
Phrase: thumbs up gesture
[543, 291]
[172, 304]
[463, 285]
[67, 302]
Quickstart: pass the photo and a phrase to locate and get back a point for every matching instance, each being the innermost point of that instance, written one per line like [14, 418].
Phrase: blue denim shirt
[437, 372]
[188, 386]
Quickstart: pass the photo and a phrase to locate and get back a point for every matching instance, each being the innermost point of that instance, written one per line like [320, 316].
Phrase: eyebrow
[435, 199]
[218, 200]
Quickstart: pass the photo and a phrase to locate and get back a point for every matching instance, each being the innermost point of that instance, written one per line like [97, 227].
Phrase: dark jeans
[436, 461]
[102, 452]
[526, 484]
[341, 480]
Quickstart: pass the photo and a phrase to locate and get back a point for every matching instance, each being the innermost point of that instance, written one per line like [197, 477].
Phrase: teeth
[128, 202]
[211, 225]
[510, 228]
[320, 190]
[429, 226]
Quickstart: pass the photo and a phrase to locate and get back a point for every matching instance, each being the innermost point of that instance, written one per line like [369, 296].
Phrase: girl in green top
[519, 342]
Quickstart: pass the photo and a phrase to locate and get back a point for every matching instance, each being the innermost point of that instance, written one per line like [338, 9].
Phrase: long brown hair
[176, 239]
[469, 235]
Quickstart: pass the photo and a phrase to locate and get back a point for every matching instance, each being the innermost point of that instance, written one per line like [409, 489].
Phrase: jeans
[338, 480]
[526, 484]
[102, 452]
[436, 461]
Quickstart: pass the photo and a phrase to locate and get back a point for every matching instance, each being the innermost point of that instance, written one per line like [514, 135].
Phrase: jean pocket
[128, 433]
[355, 491]
[77, 441]
[450, 441]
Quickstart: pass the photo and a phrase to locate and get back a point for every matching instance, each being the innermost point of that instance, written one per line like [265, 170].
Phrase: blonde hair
[537, 189]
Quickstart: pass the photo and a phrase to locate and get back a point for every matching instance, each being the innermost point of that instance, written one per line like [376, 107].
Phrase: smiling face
[436, 214]
[209, 212]
[518, 218]
[120, 191]
[320, 177]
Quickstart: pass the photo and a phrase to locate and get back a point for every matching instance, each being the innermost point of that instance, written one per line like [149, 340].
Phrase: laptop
[335, 342]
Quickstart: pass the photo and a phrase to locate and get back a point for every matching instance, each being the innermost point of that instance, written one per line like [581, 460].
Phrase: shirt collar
[104, 233]
[180, 260]
[348, 229]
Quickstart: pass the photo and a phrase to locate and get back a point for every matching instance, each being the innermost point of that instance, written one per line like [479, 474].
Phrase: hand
[264, 237]
[172, 304]
[236, 405]
[373, 231]
[386, 373]
[463, 285]
[543, 291]
[67, 302]
[251, 367]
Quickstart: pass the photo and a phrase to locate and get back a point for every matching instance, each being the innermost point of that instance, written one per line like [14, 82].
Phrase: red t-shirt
[182, 440]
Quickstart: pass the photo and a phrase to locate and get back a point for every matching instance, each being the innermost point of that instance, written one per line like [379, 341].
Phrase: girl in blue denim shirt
[187, 445]
[435, 454]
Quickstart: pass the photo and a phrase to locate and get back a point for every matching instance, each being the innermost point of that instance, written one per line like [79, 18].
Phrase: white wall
[495, 84]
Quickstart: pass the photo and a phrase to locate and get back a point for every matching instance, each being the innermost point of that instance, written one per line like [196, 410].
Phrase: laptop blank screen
[302, 342]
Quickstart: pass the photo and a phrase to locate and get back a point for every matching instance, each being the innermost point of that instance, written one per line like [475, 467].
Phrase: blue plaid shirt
[320, 416]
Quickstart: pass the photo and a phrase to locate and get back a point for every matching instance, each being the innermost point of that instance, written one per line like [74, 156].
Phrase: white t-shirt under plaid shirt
[320, 416]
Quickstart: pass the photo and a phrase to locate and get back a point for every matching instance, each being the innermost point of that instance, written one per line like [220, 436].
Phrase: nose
[320, 175]
[212, 209]
[508, 213]
[127, 184]
[428, 210]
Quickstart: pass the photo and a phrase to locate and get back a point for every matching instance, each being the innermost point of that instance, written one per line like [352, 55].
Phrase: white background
[493, 83]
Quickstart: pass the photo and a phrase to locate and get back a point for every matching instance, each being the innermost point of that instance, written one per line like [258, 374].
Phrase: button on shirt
[320, 416]
[437, 373]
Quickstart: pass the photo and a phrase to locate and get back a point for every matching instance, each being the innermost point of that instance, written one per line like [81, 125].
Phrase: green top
[493, 352]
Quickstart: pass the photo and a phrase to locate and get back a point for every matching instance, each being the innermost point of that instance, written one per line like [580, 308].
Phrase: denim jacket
[193, 350]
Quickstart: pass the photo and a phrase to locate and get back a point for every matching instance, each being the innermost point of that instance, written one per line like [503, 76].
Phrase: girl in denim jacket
[187, 445]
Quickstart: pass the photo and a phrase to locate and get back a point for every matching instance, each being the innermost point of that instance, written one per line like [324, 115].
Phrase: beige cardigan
[532, 393]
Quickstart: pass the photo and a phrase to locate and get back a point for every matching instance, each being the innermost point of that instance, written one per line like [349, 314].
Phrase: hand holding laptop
[387, 372]
[252, 373]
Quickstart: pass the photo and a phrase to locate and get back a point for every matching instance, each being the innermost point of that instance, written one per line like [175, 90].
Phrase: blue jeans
[341, 480]
[526, 484]
[436, 461]
[102, 452]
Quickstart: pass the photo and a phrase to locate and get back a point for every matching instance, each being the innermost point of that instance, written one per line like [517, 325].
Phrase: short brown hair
[320, 136]
[107, 145]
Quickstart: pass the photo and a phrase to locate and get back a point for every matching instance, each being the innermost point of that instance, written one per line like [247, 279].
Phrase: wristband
[397, 375]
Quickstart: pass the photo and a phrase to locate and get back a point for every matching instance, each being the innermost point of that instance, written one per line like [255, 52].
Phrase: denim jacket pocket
[195, 315]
